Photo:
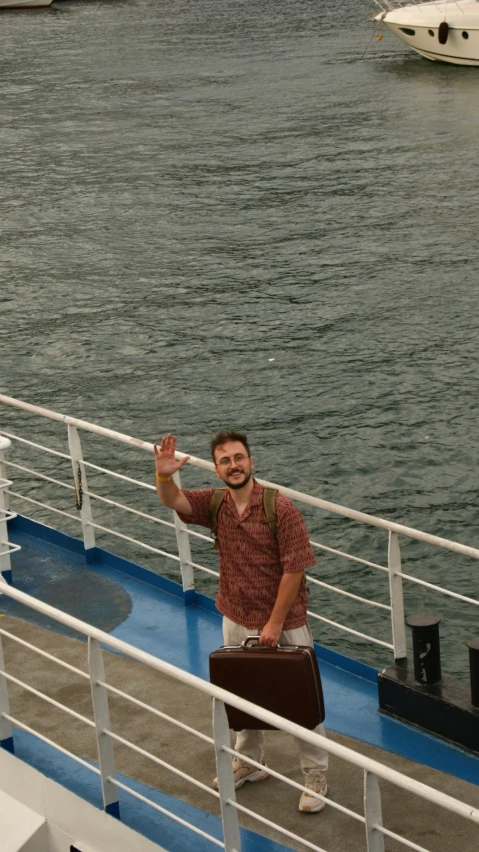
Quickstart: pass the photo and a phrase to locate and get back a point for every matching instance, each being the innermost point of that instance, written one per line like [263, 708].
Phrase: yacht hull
[24, 4]
[441, 32]
[457, 50]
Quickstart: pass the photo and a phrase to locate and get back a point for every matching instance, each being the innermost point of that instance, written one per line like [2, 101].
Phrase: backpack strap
[217, 498]
[269, 506]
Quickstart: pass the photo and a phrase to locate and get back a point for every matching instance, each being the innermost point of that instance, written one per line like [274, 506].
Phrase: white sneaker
[244, 772]
[317, 784]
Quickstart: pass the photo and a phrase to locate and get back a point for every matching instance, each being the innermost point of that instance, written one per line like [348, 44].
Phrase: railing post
[5, 444]
[6, 731]
[81, 486]
[184, 552]
[5, 565]
[229, 814]
[373, 813]
[396, 597]
[102, 723]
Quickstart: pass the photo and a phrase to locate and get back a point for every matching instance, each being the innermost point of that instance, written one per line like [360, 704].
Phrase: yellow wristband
[163, 478]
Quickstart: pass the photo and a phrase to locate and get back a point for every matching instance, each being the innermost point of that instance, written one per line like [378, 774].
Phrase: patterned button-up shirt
[252, 560]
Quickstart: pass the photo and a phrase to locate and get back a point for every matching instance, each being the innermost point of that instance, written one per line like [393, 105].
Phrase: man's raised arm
[166, 465]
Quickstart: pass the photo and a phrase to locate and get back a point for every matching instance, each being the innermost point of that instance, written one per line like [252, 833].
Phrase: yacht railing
[85, 500]
[391, 5]
[101, 724]
[422, 7]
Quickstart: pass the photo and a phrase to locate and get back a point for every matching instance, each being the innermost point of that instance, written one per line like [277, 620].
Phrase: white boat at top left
[25, 4]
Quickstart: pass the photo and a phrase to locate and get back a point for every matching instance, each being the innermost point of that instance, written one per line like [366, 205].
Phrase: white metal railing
[6, 547]
[183, 534]
[105, 736]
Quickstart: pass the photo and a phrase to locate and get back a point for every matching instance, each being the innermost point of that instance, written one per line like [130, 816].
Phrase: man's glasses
[237, 459]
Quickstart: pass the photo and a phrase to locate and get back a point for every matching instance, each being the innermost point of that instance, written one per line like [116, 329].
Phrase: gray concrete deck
[421, 822]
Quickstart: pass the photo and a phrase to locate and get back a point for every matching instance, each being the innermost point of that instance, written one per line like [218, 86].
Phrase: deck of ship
[154, 618]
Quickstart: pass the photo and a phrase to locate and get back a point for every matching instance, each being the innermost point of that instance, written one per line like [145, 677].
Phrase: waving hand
[165, 462]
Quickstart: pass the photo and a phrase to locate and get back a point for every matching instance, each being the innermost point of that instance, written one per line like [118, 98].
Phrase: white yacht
[25, 4]
[446, 31]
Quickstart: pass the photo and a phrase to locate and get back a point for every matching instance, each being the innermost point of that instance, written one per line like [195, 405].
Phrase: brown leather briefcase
[284, 679]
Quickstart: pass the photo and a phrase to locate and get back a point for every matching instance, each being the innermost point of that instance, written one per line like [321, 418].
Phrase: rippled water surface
[246, 213]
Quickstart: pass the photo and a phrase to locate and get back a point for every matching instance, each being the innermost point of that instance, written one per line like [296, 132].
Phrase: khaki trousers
[313, 760]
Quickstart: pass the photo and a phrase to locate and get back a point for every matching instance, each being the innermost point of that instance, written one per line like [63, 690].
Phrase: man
[262, 589]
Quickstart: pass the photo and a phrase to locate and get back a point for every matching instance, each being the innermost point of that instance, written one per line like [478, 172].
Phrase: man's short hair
[225, 436]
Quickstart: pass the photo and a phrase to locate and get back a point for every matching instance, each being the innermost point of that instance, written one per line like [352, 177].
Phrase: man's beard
[235, 486]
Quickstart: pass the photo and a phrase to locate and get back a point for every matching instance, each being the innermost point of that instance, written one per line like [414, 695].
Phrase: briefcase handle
[249, 639]
[256, 638]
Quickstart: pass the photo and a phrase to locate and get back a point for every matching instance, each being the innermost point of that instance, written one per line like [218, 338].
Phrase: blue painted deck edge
[341, 661]
[191, 598]
[45, 533]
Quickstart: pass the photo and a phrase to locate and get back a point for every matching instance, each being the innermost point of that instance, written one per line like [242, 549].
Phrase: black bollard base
[443, 709]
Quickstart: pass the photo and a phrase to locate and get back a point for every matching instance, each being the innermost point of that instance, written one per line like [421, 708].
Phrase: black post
[425, 646]
[473, 646]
